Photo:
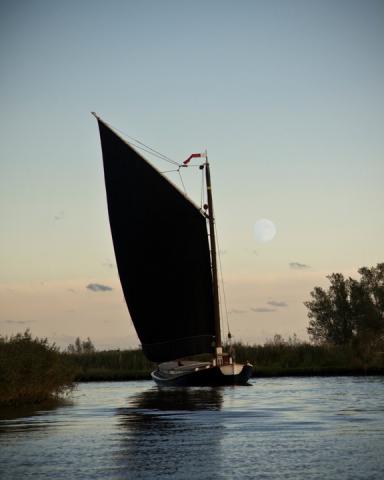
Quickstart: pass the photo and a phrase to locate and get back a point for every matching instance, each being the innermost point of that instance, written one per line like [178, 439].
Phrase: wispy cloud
[298, 266]
[59, 216]
[97, 287]
[109, 264]
[263, 310]
[276, 303]
[236, 310]
[17, 322]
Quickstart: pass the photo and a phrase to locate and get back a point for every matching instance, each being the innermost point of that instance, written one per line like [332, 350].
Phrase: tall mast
[211, 219]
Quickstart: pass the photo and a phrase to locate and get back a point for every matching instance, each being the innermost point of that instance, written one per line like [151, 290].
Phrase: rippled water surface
[292, 428]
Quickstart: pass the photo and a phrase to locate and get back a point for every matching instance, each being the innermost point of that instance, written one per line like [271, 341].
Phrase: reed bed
[271, 359]
[302, 358]
[112, 365]
[33, 371]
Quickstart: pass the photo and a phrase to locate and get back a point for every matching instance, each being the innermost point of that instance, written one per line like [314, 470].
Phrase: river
[282, 428]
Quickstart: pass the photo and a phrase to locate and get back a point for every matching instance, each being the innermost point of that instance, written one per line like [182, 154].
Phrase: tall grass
[283, 357]
[274, 358]
[32, 370]
[112, 365]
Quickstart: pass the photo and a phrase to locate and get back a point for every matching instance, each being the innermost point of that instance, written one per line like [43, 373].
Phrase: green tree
[79, 347]
[87, 346]
[350, 310]
[372, 291]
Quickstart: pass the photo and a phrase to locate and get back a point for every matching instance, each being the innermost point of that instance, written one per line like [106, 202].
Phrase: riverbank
[271, 360]
[32, 371]
[111, 376]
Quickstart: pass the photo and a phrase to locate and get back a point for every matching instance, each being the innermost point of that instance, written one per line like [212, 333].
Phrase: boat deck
[182, 366]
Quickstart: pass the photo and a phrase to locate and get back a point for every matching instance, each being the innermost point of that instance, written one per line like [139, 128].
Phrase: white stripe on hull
[233, 369]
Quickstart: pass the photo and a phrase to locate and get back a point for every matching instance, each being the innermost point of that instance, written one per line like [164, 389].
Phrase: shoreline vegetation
[276, 358]
[346, 328]
[34, 372]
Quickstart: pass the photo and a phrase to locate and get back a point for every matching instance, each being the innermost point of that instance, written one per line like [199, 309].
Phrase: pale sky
[286, 96]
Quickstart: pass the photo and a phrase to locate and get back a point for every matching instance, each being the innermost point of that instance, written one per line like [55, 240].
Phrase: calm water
[293, 428]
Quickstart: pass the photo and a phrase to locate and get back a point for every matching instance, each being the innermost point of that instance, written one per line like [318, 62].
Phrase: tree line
[81, 346]
[350, 311]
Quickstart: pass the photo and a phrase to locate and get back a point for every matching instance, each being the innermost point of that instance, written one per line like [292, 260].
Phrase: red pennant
[194, 155]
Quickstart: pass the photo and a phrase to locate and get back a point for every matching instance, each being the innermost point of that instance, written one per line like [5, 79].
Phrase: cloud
[109, 264]
[97, 287]
[59, 216]
[263, 310]
[18, 322]
[276, 303]
[298, 266]
[236, 310]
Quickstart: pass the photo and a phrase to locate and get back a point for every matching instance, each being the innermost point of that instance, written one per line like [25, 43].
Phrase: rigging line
[153, 152]
[169, 171]
[221, 311]
[222, 285]
[181, 178]
[150, 149]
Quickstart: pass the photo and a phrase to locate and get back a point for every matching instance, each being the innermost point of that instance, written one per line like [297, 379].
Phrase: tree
[85, 346]
[78, 347]
[372, 293]
[350, 310]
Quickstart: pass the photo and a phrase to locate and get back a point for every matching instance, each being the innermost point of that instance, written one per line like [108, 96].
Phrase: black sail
[162, 253]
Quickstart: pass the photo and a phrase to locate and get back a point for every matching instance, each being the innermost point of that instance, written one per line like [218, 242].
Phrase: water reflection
[171, 432]
[29, 417]
[173, 399]
[283, 428]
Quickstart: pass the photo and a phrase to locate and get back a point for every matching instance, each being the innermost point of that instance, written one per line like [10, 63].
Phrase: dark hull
[212, 376]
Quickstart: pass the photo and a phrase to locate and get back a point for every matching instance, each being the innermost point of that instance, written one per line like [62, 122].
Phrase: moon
[264, 230]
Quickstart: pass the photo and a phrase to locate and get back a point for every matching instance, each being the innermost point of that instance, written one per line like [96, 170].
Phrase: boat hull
[212, 376]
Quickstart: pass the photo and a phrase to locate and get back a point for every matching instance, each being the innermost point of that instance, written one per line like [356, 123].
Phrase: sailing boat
[167, 266]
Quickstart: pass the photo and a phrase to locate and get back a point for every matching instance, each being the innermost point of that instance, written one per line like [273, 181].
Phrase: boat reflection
[172, 431]
[173, 398]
